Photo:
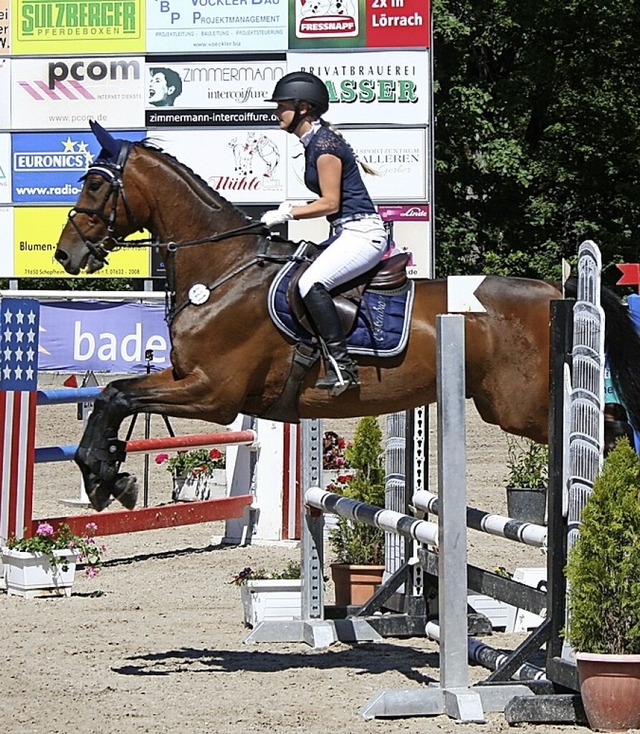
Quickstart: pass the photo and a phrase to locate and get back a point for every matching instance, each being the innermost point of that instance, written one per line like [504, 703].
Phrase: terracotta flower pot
[610, 689]
[355, 584]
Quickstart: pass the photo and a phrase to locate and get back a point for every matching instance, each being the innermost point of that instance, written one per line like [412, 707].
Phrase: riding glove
[278, 216]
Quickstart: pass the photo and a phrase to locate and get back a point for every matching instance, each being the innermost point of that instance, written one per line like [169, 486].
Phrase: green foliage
[46, 540]
[537, 130]
[603, 568]
[356, 542]
[292, 571]
[527, 464]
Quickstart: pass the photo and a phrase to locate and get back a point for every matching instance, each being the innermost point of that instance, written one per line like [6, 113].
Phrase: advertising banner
[103, 337]
[5, 93]
[359, 24]
[5, 168]
[212, 91]
[245, 166]
[36, 233]
[398, 156]
[47, 166]
[201, 26]
[77, 26]
[6, 242]
[53, 93]
[5, 28]
[389, 87]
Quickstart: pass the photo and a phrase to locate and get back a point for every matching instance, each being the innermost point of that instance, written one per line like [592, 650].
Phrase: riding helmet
[300, 85]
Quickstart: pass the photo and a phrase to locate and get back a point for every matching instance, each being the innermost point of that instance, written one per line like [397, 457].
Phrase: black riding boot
[341, 370]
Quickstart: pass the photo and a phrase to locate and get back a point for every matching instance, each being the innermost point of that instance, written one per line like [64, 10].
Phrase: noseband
[113, 173]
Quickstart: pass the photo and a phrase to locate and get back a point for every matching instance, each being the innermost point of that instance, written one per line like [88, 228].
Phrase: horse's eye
[95, 185]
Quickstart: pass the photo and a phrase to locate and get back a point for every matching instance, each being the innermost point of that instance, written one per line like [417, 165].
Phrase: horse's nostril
[61, 256]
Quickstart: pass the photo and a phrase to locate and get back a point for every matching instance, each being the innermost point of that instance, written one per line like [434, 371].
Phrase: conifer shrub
[603, 568]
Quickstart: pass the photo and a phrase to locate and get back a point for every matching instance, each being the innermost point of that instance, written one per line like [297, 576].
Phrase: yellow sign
[5, 28]
[78, 26]
[36, 233]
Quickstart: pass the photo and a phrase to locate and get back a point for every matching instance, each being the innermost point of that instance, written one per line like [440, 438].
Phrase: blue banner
[103, 337]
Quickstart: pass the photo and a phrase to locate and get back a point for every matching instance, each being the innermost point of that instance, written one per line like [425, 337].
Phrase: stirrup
[338, 378]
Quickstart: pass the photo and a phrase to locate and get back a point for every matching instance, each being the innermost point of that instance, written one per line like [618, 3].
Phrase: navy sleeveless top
[354, 197]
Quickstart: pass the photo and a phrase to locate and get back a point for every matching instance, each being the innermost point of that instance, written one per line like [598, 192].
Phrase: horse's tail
[622, 349]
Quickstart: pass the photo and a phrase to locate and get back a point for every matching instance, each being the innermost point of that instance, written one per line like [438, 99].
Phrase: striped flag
[19, 324]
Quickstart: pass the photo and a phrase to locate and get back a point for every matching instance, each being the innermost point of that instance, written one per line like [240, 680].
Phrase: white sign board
[6, 242]
[390, 87]
[399, 157]
[245, 166]
[5, 94]
[5, 168]
[54, 93]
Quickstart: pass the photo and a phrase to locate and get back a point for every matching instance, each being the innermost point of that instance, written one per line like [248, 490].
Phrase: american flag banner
[19, 326]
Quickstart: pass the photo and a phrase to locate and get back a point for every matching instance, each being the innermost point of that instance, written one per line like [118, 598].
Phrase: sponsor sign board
[359, 23]
[390, 87]
[53, 93]
[5, 27]
[47, 167]
[6, 242]
[399, 157]
[245, 166]
[5, 93]
[36, 233]
[77, 26]
[410, 232]
[99, 336]
[211, 91]
[5, 168]
[201, 26]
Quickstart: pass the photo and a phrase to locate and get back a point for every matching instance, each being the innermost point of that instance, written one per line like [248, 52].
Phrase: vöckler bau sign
[78, 26]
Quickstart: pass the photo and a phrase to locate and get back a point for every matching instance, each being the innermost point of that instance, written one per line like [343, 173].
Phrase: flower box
[270, 599]
[30, 574]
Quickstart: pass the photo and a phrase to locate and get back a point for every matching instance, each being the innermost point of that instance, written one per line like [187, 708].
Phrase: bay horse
[227, 356]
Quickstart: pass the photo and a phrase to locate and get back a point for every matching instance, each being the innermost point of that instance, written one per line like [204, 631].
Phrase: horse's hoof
[99, 500]
[125, 490]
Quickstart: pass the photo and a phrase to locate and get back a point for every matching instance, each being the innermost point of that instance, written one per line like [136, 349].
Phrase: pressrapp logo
[327, 18]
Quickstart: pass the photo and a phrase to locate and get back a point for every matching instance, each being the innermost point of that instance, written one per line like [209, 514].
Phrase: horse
[228, 357]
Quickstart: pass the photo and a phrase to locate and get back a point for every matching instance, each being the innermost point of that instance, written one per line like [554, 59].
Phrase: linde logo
[414, 212]
[75, 156]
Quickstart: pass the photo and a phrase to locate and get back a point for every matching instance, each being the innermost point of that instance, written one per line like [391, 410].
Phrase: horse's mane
[206, 192]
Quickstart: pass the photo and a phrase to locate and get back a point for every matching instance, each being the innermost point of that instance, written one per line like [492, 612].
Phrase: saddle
[387, 275]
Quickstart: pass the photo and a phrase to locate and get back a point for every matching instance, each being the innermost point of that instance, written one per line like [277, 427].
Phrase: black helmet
[301, 85]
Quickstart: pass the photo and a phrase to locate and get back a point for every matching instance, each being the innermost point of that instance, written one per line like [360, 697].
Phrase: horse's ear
[106, 139]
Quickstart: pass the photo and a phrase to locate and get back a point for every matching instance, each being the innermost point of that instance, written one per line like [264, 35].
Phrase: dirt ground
[155, 642]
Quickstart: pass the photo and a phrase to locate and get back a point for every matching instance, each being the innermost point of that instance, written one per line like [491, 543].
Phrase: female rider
[358, 240]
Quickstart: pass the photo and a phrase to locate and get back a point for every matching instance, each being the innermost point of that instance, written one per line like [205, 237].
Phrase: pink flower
[161, 458]
[91, 527]
[45, 530]
[91, 572]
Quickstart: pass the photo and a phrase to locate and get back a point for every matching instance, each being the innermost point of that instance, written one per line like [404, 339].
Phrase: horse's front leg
[100, 453]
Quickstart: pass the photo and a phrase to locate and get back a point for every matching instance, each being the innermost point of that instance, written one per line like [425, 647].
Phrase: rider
[358, 241]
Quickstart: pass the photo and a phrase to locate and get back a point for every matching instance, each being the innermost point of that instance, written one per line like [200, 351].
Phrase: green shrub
[603, 568]
[527, 464]
[355, 542]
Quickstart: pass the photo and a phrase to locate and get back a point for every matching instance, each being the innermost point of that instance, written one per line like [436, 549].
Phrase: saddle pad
[382, 323]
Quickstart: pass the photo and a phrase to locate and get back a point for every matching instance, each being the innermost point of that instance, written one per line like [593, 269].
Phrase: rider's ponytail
[365, 166]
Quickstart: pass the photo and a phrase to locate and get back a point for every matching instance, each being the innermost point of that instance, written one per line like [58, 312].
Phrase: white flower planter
[267, 599]
[30, 574]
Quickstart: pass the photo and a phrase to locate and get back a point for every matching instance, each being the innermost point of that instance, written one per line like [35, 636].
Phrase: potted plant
[359, 548]
[527, 479]
[603, 573]
[194, 472]
[46, 562]
[270, 595]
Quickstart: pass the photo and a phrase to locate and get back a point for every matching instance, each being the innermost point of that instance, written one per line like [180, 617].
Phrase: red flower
[215, 454]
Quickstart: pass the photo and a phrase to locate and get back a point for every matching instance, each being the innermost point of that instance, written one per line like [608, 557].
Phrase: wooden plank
[152, 518]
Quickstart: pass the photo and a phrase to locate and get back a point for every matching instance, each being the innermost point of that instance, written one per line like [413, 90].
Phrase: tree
[537, 137]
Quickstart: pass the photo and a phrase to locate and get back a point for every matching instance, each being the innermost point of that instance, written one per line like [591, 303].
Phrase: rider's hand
[278, 216]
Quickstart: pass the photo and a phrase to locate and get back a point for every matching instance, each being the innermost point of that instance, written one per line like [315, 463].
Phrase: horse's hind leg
[100, 453]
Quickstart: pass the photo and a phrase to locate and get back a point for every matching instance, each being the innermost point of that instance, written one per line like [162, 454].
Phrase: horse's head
[102, 215]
